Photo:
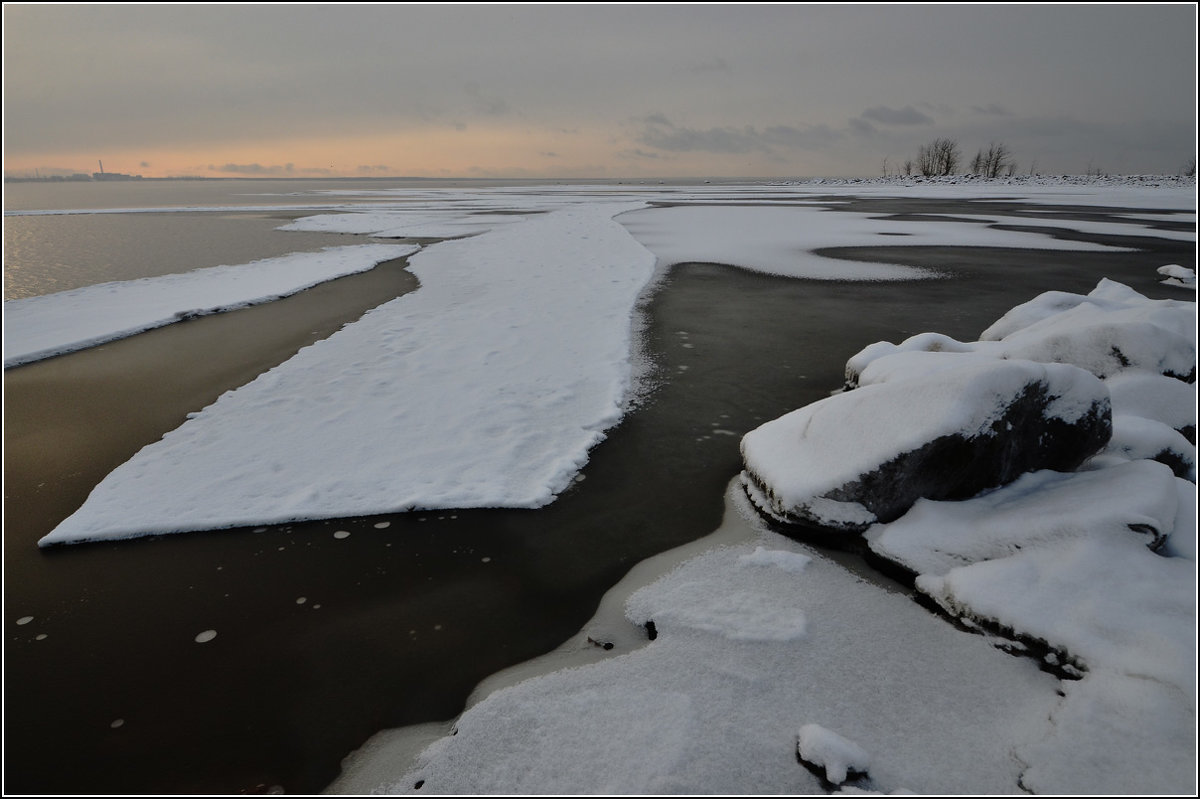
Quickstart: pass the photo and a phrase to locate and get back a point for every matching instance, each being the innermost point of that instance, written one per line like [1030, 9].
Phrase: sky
[595, 90]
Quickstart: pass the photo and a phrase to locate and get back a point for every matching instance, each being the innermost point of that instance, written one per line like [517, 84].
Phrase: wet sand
[399, 623]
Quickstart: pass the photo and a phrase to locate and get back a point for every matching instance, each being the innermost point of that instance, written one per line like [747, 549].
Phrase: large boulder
[934, 425]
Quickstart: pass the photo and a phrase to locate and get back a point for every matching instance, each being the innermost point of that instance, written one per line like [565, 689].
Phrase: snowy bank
[54, 324]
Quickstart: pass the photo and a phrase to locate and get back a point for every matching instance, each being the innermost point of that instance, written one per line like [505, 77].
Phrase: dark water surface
[398, 623]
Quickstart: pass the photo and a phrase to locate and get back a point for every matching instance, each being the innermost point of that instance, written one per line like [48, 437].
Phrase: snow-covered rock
[840, 757]
[1138, 499]
[1134, 438]
[1156, 397]
[1176, 275]
[957, 426]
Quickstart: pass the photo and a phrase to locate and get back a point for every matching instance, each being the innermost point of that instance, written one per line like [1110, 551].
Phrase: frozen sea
[442, 521]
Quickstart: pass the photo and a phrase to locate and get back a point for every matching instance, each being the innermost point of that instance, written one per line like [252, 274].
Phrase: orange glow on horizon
[472, 152]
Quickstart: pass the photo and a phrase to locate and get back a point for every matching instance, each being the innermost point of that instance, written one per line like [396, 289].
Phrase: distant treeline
[943, 157]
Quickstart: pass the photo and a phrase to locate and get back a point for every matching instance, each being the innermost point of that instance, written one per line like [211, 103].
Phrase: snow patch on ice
[785, 240]
[54, 324]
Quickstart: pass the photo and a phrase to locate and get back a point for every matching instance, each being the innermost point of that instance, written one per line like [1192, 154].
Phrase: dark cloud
[638, 153]
[276, 170]
[485, 104]
[937, 108]
[813, 137]
[992, 109]
[373, 169]
[903, 116]
[660, 133]
[253, 169]
[714, 64]
[548, 154]
[861, 126]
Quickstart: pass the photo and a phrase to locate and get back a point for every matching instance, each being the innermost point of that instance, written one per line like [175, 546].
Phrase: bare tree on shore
[993, 161]
[939, 157]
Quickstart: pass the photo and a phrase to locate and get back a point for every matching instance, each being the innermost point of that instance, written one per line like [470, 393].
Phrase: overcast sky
[593, 90]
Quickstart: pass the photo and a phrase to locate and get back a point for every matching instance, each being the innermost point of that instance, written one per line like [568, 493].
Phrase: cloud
[714, 64]
[638, 153]
[373, 169]
[812, 137]
[660, 133]
[938, 108]
[903, 116]
[484, 104]
[252, 169]
[992, 109]
[862, 126]
[548, 154]
[258, 170]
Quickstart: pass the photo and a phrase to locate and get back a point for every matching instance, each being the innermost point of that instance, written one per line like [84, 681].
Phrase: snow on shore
[53, 324]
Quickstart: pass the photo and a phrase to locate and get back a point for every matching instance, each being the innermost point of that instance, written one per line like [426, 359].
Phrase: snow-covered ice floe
[54, 324]
[485, 388]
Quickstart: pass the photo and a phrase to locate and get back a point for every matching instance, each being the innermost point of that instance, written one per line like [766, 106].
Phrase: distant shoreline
[900, 180]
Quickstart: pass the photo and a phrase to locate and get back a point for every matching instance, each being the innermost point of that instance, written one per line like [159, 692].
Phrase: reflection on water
[48, 254]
